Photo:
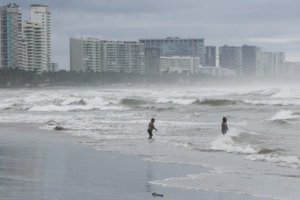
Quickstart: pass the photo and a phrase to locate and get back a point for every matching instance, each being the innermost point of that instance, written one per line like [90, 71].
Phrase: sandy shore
[48, 165]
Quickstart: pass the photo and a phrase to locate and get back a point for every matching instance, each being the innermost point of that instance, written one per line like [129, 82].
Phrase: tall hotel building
[211, 56]
[176, 46]
[34, 46]
[251, 57]
[40, 16]
[231, 57]
[10, 35]
[272, 64]
[92, 54]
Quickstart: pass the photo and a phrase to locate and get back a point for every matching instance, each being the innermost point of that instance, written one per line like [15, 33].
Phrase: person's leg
[150, 134]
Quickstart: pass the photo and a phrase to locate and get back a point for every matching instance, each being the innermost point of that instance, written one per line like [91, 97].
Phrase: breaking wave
[285, 115]
[231, 144]
[217, 102]
[276, 157]
[132, 102]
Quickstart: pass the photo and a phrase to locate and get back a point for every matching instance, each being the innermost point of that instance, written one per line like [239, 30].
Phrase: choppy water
[259, 156]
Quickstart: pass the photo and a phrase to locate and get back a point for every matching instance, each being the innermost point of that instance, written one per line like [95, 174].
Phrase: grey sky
[270, 24]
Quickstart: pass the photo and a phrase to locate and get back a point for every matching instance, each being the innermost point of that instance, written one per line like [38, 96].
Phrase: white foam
[287, 93]
[227, 144]
[272, 102]
[285, 161]
[284, 114]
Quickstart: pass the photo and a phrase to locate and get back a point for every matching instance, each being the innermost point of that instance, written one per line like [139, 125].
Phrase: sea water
[258, 156]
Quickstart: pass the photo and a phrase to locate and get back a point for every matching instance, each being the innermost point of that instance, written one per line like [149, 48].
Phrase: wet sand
[38, 164]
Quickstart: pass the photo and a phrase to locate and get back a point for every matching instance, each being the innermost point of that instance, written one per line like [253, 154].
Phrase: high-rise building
[176, 46]
[92, 54]
[179, 64]
[85, 54]
[211, 56]
[23, 56]
[152, 60]
[230, 57]
[10, 34]
[41, 14]
[272, 64]
[251, 60]
[34, 46]
[123, 56]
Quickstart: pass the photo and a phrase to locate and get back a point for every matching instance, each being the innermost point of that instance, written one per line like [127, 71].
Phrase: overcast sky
[273, 25]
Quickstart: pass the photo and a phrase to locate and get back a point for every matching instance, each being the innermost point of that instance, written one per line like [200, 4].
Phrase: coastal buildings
[92, 54]
[246, 60]
[179, 64]
[230, 57]
[211, 56]
[152, 60]
[176, 46]
[33, 34]
[10, 35]
[25, 45]
[251, 60]
[40, 14]
[272, 64]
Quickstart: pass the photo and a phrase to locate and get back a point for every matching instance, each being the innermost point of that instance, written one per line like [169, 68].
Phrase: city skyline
[269, 24]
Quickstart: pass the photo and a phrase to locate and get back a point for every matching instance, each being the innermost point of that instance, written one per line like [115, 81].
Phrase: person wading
[151, 127]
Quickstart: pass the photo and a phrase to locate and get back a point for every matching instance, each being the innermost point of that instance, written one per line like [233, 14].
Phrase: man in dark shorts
[151, 127]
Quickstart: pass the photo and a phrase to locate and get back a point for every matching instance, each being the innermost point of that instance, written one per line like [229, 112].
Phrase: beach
[103, 151]
[40, 164]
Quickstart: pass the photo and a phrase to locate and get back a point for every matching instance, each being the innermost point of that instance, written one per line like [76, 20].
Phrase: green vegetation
[21, 78]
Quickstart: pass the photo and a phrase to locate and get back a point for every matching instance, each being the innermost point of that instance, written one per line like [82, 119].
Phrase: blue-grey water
[258, 156]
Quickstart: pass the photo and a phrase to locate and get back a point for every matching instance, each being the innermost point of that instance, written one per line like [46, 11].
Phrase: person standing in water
[224, 126]
[151, 127]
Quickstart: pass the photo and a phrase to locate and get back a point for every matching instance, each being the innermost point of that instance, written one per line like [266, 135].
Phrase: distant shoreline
[18, 78]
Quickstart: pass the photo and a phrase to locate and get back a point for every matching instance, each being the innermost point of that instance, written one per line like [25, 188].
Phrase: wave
[280, 122]
[231, 144]
[287, 94]
[281, 160]
[79, 102]
[53, 108]
[268, 151]
[216, 102]
[260, 93]
[132, 102]
[179, 101]
[159, 108]
[284, 115]
[14, 106]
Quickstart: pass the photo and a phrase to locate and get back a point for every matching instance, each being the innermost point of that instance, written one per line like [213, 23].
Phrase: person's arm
[227, 127]
[154, 127]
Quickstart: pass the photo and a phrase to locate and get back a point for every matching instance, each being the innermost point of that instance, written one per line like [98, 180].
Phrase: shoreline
[45, 164]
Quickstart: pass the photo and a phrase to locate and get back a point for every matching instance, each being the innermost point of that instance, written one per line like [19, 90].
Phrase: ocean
[259, 156]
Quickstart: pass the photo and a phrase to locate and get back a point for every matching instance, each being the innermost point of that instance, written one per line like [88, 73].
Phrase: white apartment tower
[40, 14]
[179, 64]
[92, 54]
[34, 45]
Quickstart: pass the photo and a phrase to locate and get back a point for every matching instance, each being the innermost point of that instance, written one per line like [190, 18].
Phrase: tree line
[21, 78]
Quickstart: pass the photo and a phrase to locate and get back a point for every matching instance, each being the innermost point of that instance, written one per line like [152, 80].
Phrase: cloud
[275, 40]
